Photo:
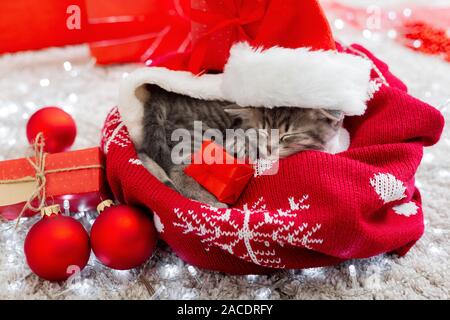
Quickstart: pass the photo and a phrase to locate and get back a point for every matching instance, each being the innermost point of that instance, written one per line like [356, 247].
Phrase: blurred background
[73, 54]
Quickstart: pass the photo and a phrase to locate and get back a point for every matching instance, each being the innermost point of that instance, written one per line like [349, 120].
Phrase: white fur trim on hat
[279, 77]
[276, 77]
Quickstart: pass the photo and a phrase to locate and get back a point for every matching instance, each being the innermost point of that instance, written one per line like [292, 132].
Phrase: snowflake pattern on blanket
[250, 232]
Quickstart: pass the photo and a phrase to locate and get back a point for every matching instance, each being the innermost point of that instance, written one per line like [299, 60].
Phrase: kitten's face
[299, 129]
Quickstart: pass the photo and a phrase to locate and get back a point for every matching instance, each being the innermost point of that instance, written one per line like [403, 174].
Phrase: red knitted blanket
[320, 209]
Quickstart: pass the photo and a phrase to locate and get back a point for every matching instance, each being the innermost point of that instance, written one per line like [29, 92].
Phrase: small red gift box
[77, 176]
[218, 172]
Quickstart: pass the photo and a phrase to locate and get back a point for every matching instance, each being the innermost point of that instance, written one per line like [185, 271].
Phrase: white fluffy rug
[34, 79]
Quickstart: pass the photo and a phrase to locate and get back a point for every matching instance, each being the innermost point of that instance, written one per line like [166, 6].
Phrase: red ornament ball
[57, 246]
[57, 126]
[123, 237]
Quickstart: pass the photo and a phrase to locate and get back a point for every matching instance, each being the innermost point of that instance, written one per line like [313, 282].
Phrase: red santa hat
[259, 53]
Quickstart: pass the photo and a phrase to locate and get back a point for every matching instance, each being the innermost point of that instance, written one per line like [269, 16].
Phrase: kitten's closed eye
[293, 134]
[293, 137]
[299, 129]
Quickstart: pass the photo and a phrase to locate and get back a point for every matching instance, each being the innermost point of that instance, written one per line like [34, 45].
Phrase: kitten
[299, 129]
[164, 113]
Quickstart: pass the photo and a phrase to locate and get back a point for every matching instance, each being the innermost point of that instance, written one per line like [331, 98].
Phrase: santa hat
[259, 53]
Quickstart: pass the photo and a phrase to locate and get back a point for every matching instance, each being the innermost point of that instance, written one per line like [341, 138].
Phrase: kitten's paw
[219, 205]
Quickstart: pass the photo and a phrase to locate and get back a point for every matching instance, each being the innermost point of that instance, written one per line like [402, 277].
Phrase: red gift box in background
[218, 172]
[31, 24]
[225, 22]
[118, 31]
[77, 176]
[137, 30]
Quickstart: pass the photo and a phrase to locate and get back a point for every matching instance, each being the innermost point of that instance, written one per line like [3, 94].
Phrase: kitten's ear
[335, 115]
[239, 112]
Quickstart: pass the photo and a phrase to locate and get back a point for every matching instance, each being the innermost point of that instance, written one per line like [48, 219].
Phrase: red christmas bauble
[57, 126]
[122, 237]
[56, 246]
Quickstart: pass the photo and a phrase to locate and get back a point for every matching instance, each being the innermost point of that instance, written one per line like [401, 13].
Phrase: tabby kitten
[299, 129]
[166, 112]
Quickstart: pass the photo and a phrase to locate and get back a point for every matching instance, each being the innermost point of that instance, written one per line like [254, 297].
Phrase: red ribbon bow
[217, 17]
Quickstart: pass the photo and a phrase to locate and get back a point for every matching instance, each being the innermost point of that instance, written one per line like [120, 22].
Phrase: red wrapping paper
[144, 30]
[84, 188]
[117, 31]
[256, 22]
[225, 22]
[31, 24]
[226, 178]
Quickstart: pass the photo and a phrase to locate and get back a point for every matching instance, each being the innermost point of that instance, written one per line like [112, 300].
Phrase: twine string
[39, 166]
[40, 177]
